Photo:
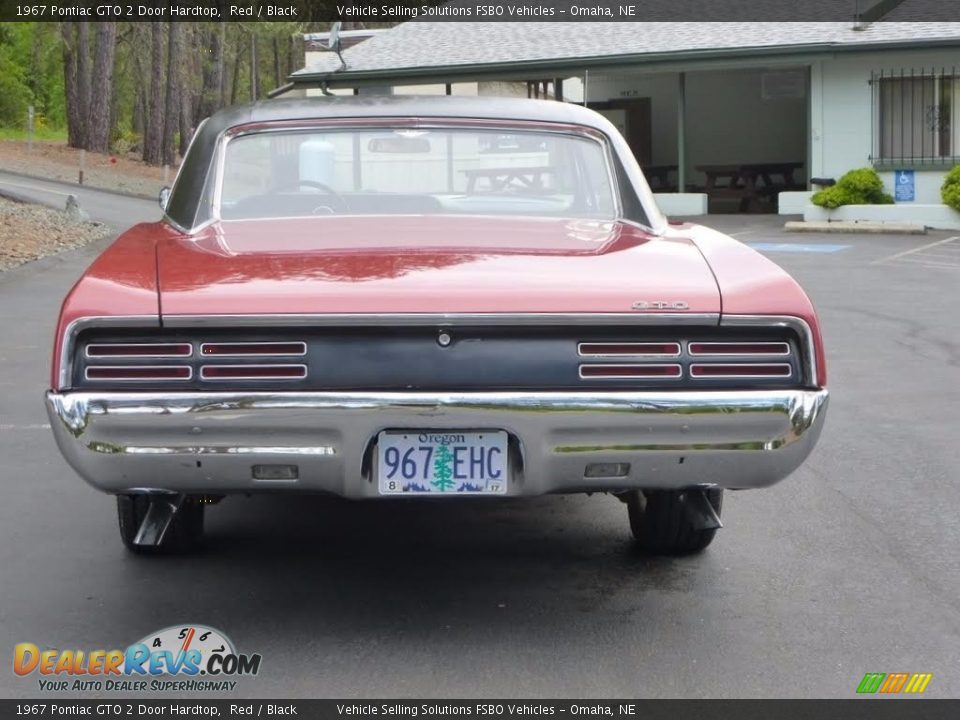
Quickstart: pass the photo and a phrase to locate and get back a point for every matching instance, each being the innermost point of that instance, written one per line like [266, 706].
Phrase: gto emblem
[661, 305]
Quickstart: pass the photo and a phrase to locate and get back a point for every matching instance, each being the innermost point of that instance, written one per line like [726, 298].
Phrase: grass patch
[45, 134]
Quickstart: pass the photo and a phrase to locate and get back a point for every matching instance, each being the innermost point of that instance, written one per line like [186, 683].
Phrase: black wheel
[662, 524]
[184, 534]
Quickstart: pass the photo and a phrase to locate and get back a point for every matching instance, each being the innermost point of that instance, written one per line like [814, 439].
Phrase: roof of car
[428, 106]
[189, 204]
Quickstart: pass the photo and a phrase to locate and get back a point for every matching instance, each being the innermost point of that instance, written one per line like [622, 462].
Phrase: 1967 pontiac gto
[384, 297]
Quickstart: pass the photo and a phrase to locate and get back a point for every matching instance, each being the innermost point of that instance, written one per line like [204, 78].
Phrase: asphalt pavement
[115, 209]
[849, 566]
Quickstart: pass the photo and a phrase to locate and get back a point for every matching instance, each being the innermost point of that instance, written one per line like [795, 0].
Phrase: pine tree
[443, 469]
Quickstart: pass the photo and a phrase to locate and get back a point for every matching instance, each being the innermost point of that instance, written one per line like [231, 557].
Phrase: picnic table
[748, 181]
[530, 177]
[746, 175]
[659, 177]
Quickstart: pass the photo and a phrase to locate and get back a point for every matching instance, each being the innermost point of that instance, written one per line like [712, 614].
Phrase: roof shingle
[418, 45]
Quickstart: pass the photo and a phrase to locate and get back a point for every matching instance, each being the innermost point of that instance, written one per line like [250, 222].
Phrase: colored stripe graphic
[918, 682]
[871, 682]
[894, 683]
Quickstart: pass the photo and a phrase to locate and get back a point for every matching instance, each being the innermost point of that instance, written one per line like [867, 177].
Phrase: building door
[632, 118]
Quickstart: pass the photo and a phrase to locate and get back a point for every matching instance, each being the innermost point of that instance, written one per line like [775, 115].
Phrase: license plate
[442, 463]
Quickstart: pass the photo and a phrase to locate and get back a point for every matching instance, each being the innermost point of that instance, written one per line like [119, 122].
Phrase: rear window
[416, 171]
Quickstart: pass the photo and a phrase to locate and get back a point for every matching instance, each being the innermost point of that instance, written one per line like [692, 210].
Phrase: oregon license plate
[441, 463]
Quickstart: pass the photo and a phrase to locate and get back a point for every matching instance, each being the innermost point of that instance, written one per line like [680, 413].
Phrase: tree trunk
[220, 59]
[254, 90]
[76, 81]
[152, 139]
[171, 116]
[83, 80]
[277, 76]
[235, 79]
[98, 114]
[71, 85]
[186, 123]
[211, 91]
[294, 55]
[141, 106]
[139, 112]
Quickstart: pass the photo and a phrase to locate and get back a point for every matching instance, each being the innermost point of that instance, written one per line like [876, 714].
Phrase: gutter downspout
[681, 132]
[816, 140]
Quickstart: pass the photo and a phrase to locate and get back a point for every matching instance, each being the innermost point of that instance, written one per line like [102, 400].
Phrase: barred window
[916, 116]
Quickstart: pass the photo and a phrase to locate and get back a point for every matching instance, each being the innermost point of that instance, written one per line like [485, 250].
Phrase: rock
[74, 211]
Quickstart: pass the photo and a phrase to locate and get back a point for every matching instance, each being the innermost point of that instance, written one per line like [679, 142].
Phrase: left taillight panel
[132, 363]
[128, 360]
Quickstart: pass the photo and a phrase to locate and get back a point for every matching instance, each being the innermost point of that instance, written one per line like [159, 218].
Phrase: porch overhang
[686, 60]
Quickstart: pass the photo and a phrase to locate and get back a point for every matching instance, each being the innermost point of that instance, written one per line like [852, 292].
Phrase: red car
[384, 297]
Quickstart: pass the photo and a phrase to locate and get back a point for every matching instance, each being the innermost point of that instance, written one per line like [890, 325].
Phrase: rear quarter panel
[122, 281]
[751, 284]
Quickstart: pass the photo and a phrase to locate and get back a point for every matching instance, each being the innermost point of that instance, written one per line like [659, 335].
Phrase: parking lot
[847, 567]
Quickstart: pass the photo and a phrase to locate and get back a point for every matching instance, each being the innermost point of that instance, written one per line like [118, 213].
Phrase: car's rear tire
[662, 524]
[185, 533]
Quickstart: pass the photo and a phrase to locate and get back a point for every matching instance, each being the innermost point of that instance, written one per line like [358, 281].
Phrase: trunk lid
[433, 264]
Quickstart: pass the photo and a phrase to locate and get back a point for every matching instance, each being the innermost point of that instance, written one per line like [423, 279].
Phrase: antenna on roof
[334, 43]
[858, 22]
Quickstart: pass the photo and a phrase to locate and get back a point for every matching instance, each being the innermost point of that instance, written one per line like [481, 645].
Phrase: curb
[850, 226]
[121, 193]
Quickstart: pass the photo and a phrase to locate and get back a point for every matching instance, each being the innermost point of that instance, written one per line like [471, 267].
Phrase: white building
[703, 105]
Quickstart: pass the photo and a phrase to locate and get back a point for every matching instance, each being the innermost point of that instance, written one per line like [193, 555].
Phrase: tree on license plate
[442, 462]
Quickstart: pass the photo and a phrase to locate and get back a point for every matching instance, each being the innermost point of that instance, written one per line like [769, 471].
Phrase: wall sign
[905, 186]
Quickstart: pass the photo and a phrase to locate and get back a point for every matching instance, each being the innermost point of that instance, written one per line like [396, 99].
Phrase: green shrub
[123, 142]
[834, 197]
[15, 96]
[950, 190]
[857, 187]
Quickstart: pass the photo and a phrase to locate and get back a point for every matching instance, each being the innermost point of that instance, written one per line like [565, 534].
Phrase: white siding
[843, 114]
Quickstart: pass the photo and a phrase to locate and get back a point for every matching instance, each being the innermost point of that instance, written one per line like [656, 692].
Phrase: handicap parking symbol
[905, 187]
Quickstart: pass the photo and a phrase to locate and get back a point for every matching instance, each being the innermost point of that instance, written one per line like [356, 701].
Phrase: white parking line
[915, 250]
[38, 426]
[929, 263]
[940, 255]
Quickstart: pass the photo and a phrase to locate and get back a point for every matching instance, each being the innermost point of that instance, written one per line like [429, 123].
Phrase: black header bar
[132, 708]
[480, 10]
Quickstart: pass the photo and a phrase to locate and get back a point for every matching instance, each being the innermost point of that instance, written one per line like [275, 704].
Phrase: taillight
[740, 370]
[252, 349]
[620, 349]
[738, 348]
[139, 350]
[139, 372]
[626, 372]
[253, 372]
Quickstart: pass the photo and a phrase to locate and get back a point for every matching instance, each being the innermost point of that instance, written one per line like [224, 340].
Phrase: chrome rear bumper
[208, 442]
